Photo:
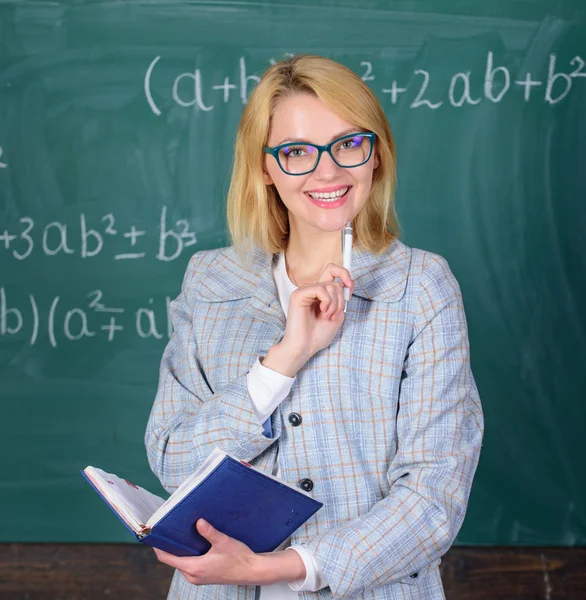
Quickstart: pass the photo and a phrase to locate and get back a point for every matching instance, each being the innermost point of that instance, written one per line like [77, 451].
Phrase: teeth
[329, 195]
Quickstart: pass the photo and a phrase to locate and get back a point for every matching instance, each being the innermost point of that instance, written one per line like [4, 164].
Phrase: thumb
[208, 531]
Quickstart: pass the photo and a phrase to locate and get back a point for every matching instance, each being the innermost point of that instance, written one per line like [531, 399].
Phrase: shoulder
[432, 281]
[198, 264]
[431, 269]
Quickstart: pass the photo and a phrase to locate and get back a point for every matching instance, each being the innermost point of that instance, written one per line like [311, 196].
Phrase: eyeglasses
[300, 158]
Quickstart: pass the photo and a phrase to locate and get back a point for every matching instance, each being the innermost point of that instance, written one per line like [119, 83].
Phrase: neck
[306, 258]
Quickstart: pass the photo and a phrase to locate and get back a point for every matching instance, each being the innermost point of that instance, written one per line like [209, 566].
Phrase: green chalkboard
[117, 124]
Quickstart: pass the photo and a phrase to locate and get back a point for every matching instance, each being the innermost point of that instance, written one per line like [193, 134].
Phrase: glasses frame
[321, 149]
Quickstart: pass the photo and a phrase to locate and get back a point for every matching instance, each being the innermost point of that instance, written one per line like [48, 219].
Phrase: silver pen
[347, 257]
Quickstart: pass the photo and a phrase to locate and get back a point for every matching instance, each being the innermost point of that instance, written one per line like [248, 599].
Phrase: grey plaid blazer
[392, 422]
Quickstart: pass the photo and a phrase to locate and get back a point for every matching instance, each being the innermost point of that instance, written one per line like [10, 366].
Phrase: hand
[228, 561]
[316, 312]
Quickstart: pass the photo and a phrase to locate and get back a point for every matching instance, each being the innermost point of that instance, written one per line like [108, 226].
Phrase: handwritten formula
[56, 238]
[60, 323]
[194, 90]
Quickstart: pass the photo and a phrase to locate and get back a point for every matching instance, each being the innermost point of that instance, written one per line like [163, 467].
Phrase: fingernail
[204, 525]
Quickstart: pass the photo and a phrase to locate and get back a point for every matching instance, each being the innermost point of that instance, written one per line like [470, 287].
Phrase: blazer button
[414, 575]
[306, 484]
[295, 419]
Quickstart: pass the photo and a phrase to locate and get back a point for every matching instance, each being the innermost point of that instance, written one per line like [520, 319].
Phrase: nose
[326, 167]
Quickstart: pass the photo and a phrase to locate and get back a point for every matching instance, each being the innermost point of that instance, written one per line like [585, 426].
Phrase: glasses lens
[298, 158]
[302, 158]
[352, 151]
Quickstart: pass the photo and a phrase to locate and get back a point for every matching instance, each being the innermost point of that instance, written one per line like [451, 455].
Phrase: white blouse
[268, 388]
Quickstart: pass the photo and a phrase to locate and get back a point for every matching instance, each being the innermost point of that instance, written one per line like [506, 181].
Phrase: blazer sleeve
[267, 388]
[440, 427]
[184, 426]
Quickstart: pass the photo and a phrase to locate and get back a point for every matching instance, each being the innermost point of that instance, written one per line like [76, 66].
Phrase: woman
[375, 412]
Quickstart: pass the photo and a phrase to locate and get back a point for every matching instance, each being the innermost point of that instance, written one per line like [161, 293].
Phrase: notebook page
[133, 503]
[209, 464]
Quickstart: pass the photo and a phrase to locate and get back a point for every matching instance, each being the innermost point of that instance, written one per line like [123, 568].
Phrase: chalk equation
[74, 323]
[190, 89]
[56, 238]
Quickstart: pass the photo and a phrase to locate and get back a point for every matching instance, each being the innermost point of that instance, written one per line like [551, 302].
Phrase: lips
[332, 203]
[331, 190]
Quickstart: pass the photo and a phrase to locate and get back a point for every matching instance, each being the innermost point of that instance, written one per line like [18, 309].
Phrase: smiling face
[305, 117]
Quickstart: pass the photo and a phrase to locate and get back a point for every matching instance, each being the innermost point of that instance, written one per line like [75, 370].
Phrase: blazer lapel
[227, 278]
[381, 277]
[376, 277]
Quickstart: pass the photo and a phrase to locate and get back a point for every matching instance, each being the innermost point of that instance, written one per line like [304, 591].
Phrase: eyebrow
[351, 130]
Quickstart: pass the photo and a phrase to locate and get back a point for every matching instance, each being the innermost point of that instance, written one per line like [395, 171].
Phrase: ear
[376, 160]
[267, 178]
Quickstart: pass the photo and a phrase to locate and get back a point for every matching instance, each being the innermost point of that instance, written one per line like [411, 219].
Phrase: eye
[354, 142]
[297, 151]
[350, 143]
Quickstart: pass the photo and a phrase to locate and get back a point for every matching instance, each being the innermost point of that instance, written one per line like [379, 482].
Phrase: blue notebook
[260, 510]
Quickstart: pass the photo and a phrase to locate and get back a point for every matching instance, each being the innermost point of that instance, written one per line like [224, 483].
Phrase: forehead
[304, 117]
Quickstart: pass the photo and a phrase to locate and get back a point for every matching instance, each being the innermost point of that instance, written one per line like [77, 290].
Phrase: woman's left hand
[228, 561]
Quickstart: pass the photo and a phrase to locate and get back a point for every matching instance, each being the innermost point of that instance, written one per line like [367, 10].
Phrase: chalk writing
[496, 84]
[75, 323]
[57, 238]
[192, 89]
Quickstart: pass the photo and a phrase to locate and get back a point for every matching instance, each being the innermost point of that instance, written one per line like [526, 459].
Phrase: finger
[341, 301]
[187, 577]
[308, 294]
[161, 554]
[332, 271]
[327, 306]
[211, 534]
[178, 562]
[334, 289]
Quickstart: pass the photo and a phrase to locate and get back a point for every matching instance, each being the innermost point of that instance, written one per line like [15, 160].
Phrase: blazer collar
[381, 278]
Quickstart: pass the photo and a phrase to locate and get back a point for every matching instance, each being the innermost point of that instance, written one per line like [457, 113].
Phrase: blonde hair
[255, 213]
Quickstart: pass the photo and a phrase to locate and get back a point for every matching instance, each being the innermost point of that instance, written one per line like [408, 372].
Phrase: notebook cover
[238, 501]
[155, 540]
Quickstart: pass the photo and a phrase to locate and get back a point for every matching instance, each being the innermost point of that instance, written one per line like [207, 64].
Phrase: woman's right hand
[316, 312]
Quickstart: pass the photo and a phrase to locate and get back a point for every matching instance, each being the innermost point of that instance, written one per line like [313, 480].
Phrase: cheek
[364, 181]
[364, 177]
[286, 185]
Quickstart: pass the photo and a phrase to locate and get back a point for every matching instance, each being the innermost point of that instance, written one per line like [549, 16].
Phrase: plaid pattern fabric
[392, 420]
